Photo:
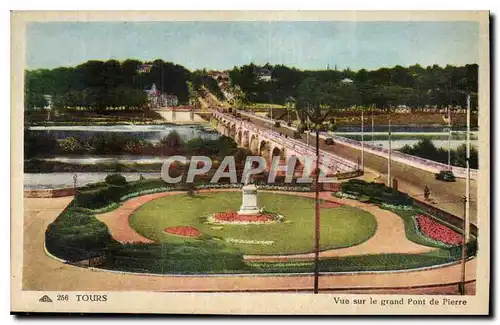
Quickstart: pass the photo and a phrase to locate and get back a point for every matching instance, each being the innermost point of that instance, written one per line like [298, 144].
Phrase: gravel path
[40, 272]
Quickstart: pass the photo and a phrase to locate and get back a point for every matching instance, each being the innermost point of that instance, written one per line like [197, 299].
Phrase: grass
[340, 227]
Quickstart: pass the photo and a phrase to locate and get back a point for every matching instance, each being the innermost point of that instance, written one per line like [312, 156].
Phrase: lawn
[340, 227]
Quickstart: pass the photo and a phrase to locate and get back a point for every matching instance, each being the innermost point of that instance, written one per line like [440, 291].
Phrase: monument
[249, 199]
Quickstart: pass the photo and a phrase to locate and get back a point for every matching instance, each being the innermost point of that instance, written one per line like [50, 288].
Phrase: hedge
[375, 262]
[116, 179]
[186, 258]
[376, 192]
[76, 236]
[97, 197]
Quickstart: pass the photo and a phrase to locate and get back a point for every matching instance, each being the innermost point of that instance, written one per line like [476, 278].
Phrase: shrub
[192, 257]
[69, 145]
[172, 143]
[277, 124]
[289, 124]
[377, 192]
[100, 197]
[332, 127]
[329, 141]
[76, 236]
[116, 179]
[375, 262]
[296, 135]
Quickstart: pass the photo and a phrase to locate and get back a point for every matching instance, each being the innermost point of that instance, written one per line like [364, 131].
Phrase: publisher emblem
[45, 298]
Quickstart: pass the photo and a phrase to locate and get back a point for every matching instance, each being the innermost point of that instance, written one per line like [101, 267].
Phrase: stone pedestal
[249, 200]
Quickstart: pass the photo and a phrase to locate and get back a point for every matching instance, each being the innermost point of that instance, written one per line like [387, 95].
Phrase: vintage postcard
[236, 162]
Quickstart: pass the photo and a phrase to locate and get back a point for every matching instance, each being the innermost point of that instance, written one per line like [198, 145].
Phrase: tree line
[425, 148]
[97, 85]
[413, 86]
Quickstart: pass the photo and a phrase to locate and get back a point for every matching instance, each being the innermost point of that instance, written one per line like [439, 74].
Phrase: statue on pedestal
[249, 198]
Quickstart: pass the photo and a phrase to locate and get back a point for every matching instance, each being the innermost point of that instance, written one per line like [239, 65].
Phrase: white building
[158, 99]
[264, 74]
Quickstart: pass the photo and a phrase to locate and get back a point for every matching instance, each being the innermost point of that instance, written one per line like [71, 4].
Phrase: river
[151, 133]
[154, 133]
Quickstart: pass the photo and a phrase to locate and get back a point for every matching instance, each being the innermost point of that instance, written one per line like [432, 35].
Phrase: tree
[171, 144]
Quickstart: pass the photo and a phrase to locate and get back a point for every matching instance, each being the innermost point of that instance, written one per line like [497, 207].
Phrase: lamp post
[466, 201]
[373, 135]
[75, 178]
[317, 118]
[467, 180]
[461, 285]
[271, 109]
[362, 140]
[449, 138]
[390, 152]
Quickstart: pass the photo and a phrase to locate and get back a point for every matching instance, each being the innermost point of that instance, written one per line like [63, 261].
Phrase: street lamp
[317, 118]
[271, 108]
[389, 158]
[75, 178]
[362, 140]
[461, 285]
[373, 136]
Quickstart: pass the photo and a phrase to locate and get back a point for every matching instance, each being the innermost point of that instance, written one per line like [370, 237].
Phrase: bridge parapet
[335, 162]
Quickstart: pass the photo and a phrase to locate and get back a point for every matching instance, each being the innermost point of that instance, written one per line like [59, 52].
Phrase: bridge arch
[232, 131]
[239, 137]
[265, 149]
[277, 151]
[254, 144]
[245, 140]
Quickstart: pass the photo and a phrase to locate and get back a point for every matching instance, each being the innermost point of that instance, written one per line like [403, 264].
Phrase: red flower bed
[437, 231]
[233, 216]
[329, 205]
[183, 231]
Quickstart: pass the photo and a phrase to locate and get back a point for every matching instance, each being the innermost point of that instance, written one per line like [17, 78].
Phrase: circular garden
[201, 233]
[285, 227]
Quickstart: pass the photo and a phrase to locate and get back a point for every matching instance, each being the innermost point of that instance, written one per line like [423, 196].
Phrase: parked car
[446, 175]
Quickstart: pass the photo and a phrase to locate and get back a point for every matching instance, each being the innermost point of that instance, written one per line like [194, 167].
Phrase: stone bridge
[268, 144]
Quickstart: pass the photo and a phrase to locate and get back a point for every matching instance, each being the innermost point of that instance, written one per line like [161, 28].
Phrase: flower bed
[437, 231]
[396, 207]
[232, 217]
[249, 241]
[288, 188]
[345, 195]
[144, 192]
[184, 231]
[217, 186]
[284, 188]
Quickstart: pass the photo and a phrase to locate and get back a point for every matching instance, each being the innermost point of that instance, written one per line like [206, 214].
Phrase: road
[447, 195]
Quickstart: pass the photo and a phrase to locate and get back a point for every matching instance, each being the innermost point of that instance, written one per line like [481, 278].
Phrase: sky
[222, 45]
